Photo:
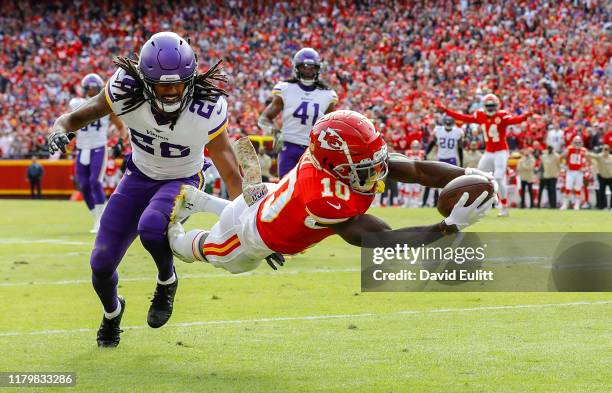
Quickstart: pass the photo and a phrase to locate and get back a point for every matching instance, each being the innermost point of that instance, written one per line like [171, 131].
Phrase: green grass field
[304, 328]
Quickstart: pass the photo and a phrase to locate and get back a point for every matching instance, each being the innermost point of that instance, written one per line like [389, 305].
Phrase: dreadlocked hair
[204, 86]
[133, 94]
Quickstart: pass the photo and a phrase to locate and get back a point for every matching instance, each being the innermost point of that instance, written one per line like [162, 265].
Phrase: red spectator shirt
[569, 135]
[493, 127]
[608, 139]
[418, 155]
[111, 167]
[414, 135]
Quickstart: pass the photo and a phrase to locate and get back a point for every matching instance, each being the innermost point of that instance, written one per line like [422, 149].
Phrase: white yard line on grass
[187, 276]
[323, 317]
[45, 241]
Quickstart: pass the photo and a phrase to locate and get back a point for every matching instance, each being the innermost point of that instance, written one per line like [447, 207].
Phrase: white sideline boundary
[45, 241]
[322, 317]
[186, 276]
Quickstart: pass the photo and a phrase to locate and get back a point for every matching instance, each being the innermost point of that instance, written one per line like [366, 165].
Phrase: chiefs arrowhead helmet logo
[330, 140]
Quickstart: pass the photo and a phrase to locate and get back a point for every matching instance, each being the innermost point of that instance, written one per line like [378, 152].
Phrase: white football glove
[488, 175]
[463, 216]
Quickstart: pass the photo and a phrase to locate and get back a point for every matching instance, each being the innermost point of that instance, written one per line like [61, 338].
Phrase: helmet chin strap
[170, 108]
[167, 108]
[307, 82]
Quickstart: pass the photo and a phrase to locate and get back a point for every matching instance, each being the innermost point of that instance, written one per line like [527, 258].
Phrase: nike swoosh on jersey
[337, 207]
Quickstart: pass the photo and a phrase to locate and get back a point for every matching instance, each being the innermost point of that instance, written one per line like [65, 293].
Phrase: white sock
[169, 281]
[503, 188]
[111, 315]
[98, 210]
[210, 203]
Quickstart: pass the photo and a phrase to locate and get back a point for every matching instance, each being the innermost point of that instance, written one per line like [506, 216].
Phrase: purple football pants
[289, 157]
[139, 206]
[90, 176]
[452, 161]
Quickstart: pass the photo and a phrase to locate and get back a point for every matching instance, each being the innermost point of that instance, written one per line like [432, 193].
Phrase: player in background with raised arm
[91, 150]
[302, 101]
[172, 113]
[327, 193]
[494, 123]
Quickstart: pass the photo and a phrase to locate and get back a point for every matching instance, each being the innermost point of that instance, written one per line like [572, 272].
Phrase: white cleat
[191, 200]
[565, 205]
[184, 203]
[503, 212]
[176, 231]
[576, 206]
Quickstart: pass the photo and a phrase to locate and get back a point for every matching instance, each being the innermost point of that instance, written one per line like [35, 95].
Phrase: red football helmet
[346, 145]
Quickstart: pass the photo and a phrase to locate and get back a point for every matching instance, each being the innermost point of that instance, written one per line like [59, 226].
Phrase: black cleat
[108, 333]
[161, 304]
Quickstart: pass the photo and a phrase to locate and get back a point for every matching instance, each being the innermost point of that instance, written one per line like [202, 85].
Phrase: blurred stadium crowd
[385, 58]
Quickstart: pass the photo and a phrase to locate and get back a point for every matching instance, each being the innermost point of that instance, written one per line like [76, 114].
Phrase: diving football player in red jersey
[494, 123]
[327, 193]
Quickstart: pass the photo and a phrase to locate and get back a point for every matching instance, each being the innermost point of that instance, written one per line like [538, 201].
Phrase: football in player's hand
[474, 185]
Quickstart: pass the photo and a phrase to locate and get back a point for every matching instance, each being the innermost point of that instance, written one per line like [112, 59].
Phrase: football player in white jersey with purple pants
[173, 113]
[449, 139]
[91, 150]
[302, 101]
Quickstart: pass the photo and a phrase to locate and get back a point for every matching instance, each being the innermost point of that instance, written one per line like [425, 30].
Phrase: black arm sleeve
[381, 235]
[430, 147]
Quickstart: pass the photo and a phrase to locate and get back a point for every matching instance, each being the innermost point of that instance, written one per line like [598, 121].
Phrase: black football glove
[118, 149]
[58, 141]
[276, 257]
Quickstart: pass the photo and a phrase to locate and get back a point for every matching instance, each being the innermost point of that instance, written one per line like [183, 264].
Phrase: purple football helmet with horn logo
[166, 58]
[309, 58]
[92, 84]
